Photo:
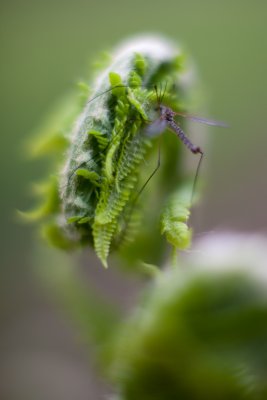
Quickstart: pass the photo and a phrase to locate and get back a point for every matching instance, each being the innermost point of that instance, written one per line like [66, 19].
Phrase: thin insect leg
[150, 177]
[106, 91]
[109, 90]
[71, 176]
[81, 165]
[196, 177]
[126, 222]
[194, 149]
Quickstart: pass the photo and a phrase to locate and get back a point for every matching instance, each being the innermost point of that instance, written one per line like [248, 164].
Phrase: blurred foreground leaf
[201, 333]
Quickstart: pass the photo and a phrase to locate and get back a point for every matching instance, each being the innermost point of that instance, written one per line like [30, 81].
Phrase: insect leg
[194, 149]
[83, 165]
[196, 177]
[151, 175]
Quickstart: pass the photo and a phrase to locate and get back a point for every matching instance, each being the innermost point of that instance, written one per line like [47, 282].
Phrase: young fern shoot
[97, 199]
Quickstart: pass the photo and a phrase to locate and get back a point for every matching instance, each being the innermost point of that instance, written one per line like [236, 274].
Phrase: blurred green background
[45, 48]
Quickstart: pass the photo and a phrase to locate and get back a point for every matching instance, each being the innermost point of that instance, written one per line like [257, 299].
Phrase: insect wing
[156, 127]
[202, 120]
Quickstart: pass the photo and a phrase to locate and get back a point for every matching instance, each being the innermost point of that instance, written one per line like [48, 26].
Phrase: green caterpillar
[94, 199]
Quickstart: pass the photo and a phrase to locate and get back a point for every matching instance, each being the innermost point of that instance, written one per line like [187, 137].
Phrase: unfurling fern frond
[107, 153]
[174, 219]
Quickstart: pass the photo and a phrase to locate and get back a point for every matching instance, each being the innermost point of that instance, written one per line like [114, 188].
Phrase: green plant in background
[198, 335]
[200, 331]
[94, 198]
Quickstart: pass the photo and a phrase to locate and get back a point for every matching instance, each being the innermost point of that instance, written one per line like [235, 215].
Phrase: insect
[167, 120]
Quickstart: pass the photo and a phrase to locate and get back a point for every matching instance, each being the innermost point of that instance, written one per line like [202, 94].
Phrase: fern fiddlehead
[105, 152]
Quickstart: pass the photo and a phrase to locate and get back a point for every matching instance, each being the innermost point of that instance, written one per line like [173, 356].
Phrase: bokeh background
[45, 48]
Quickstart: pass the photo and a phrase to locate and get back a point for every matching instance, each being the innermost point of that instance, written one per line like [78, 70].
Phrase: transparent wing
[156, 127]
[202, 120]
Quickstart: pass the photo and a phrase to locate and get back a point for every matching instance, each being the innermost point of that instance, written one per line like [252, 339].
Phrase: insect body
[166, 120]
[167, 115]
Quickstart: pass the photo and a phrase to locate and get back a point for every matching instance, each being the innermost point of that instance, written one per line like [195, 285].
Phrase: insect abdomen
[180, 133]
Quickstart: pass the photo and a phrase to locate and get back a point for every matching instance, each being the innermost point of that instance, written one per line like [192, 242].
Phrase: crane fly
[166, 120]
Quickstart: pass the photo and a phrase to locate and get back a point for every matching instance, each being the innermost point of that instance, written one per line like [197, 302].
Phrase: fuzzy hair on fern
[104, 157]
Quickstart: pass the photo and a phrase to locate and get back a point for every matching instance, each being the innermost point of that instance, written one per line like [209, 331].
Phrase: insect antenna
[164, 91]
